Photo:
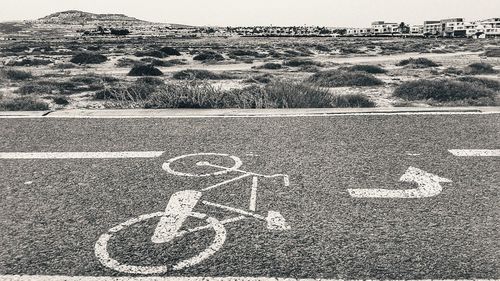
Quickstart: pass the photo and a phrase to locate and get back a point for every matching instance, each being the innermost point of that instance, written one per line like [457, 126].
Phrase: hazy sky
[346, 13]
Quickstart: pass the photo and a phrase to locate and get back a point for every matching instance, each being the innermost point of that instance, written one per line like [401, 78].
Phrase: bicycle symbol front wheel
[102, 253]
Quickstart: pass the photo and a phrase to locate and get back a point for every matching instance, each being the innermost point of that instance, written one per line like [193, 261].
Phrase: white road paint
[428, 185]
[102, 253]
[225, 182]
[168, 278]
[253, 194]
[167, 166]
[275, 221]
[178, 210]
[234, 210]
[475, 152]
[80, 155]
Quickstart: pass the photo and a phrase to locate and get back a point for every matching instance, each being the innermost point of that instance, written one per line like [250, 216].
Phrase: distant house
[385, 28]
[432, 28]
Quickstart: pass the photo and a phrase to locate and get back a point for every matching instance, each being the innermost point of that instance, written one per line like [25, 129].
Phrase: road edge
[228, 113]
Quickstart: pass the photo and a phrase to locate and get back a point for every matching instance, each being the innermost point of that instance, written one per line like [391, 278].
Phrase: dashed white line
[80, 155]
[475, 152]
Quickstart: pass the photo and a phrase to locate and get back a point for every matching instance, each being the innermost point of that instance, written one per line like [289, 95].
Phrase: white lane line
[157, 278]
[253, 194]
[475, 152]
[251, 115]
[80, 155]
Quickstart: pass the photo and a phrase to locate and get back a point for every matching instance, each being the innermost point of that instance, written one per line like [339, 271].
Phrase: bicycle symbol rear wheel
[102, 253]
[167, 166]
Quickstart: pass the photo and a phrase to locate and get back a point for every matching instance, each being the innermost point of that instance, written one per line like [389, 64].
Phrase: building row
[455, 27]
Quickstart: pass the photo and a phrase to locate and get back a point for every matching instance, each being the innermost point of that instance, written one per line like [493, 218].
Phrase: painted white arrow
[428, 186]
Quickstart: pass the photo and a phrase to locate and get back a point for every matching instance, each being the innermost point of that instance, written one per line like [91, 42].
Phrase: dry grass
[23, 104]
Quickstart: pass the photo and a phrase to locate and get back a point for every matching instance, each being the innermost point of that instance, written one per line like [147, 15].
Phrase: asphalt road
[52, 211]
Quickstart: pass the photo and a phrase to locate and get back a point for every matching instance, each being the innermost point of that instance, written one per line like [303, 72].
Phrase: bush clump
[373, 69]
[444, 90]
[88, 58]
[151, 53]
[493, 53]
[481, 82]
[301, 62]
[271, 65]
[23, 104]
[341, 78]
[418, 63]
[29, 62]
[208, 56]
[16, 75]
[480, 68]
[192, 74]
[169, 51]
[352, 100]
[145, 70]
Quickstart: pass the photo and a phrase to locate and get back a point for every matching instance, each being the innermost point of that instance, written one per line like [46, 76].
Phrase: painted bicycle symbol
[180, 207]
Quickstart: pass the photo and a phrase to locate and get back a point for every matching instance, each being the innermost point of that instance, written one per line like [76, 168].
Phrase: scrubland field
[248, 73]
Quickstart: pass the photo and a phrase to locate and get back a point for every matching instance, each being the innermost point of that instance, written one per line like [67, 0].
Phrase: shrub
[270, 65]
[341, 78]
[301, 62]
[29, 62]
[127, 62]
[373, 69]
[482, 82]
[286, 94]
[263, 78]
[16, 75]
[417, 63]
[23, 104]
[443, 90]
[208, 56]
[494, 53]
[65, 66]
[76, 84]
[88, 58]
[480, 68]
[191, 74]
[170, 51]
[145, 70]
[60, 100]
[151, 53]
[352, 100]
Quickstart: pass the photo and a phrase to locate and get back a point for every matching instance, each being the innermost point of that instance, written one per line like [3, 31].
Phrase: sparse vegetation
[301, 62]
[29, 62]
[145, 70]
[446, 90]
[16, 75]
[341, 78]
[208, 56]
[88, 58]
[352, 100]
[373, 69]
[493, 53]
[480, 68]
[192, 74]
[271, 65]
[418, 63]
[23, 104]
[151, 53]
[169, 51]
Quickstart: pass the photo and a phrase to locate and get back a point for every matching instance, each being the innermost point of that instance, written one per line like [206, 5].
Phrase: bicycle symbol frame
[180, 207]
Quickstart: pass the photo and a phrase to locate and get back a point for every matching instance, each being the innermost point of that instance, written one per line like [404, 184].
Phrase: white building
[417, 30]
[432, 28]
[359, 32]
[385, 28]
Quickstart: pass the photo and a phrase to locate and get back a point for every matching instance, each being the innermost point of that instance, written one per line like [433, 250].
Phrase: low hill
[79, 17]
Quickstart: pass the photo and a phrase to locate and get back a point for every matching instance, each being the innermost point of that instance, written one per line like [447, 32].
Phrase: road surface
[367, 197]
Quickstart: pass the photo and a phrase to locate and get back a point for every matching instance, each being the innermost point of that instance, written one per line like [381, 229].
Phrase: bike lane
[54, 210]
